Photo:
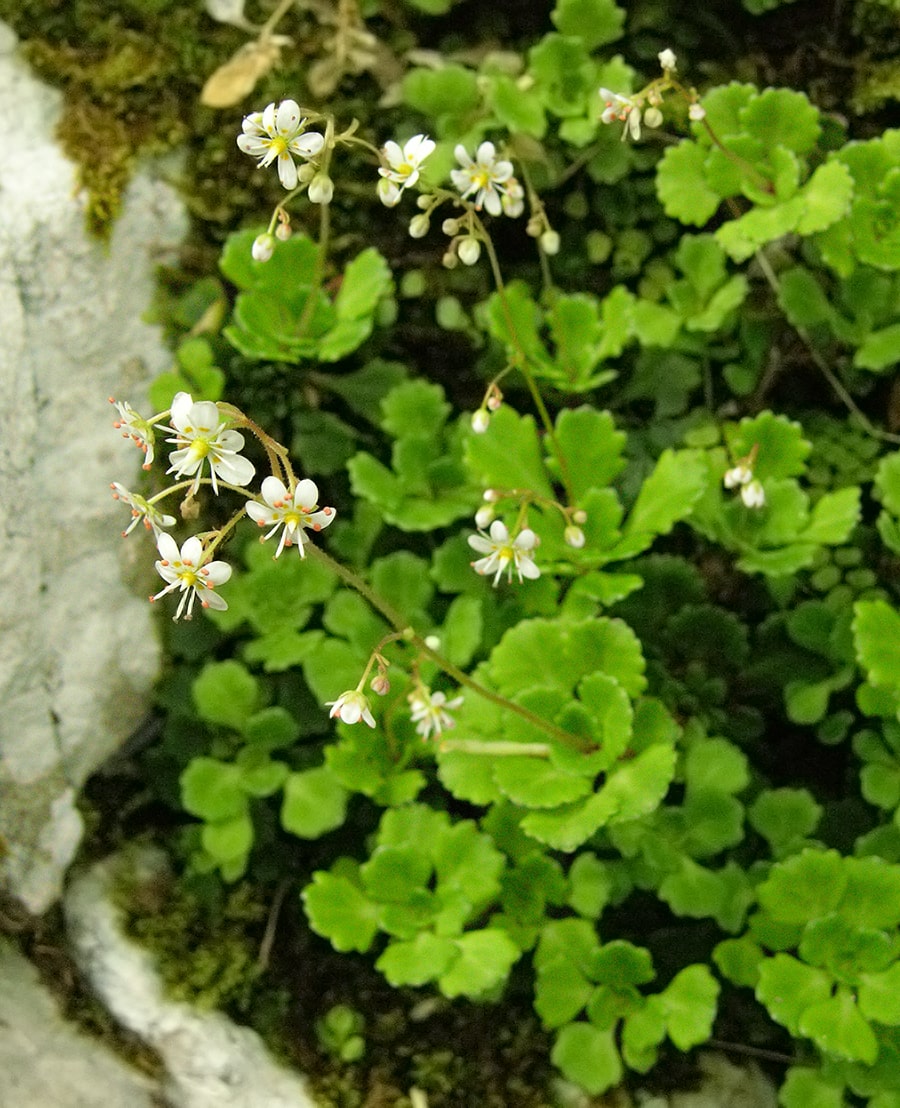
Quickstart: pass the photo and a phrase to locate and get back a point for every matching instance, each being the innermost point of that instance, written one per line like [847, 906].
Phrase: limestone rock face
[78, 652]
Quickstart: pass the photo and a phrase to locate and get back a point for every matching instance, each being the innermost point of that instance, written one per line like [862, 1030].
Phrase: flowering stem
[277, 454]
[521, 362]
[318, 270]
[476, 746]
[407, 634]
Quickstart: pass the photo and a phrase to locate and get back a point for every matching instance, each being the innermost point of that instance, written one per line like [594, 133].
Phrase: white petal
[217, 573]
[526, 539]
[236, 470]
[260, 514]
[306, 494]
[486, 153]
[287, 171]
[204, 415]
[181, 405]
[167, 547]
[287, 117]
[498, 532]
[462, 156]
[273, 491]
[393, 154]
[192, 551]
[267, 123]
[213, 600]
[307, 146]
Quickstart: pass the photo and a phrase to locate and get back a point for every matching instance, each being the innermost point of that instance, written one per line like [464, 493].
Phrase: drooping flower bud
[550, 242]
[574, 537]
[321, 189]
[469, 250]
[263, 248]
[481, 420]
[418, 226]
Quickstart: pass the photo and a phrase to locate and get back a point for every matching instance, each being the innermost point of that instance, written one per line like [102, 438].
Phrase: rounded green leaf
[314, 803]
[787, 988]
[418, 961]
[805, 887]
[339, 911]
[836, 1027]
[484, 959]
[213, 790]
[226, 693]
[229, 839]
[588, 1056]
[537, 783]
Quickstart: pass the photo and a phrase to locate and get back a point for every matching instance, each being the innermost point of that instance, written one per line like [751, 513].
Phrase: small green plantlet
[341, 1032]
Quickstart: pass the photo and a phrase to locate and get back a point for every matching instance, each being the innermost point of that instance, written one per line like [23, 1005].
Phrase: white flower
[136, 428]
[753, 494]
[402, 169]
[292, 511]
[625, 109]
[486, 177]
[276, 134]
[351, 707]
[263, 248]
[141, 509]
[667, 58]
[503, 553]
[185, 570]
[429, 711]
[740, 474]
[202, 434]
[696, 112]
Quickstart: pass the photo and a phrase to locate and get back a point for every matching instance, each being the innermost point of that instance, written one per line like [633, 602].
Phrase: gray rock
[45, 1062]
[211, 1062]
[78, 652]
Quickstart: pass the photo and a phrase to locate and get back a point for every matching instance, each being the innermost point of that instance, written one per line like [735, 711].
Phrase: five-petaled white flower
[488, 178]
[185, 570]
[136, 428]
[141, 509]
[292, 511]
[276, 134]
[402, 169]
[429, 711]
[351, 707]
[624, 109]
[503, 553]
[201, 434]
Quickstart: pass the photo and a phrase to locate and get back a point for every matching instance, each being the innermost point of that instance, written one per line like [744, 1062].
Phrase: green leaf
[716, 765]
[781, 449]
[784, 816]
[213, 790]
[880, 349]
[416, 409]
[228, 840]
[805, 887]
[622, 963]
[682, 187]
[565, 74]
[484, 959]
[447, 95]
[833, 517]
[516, 109]
[560, 992]
[782, 117]
[836, 1027]
[788, 988]
[314, 803]
[423, 959]
[805, 1088]
[366, 279]
[689, 1002]
[666, 496]
[508, 455]
[592, 447]
[226, 693]
[590, 885]
[588, 1056]
[340, 912]
[536, 783]
[739, 960]
[595, 22]
[876, 636]
[879, 995]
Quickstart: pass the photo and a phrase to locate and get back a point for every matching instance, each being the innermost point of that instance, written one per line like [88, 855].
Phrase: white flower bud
[574, 537]
[424, 201]
[696, 112]
[667, 59]
[263, 248]
[418, 226]
[495, 401]
[550, 242]
[449, 260]
[388, 193]
[321, 189]
[450, 227]
[484, 516]
[480, 421]
[433, 642]
[305, 173]
[491, 496]
[469, 250]
[579, 515]
[753, 495]
[653, 117]
[283, 232]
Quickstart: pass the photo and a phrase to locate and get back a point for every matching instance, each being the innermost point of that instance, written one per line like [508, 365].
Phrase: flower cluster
[740, 476]
[504, 553]
[402, 167]
[643, 108]
[203, 436]
[489, 181]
